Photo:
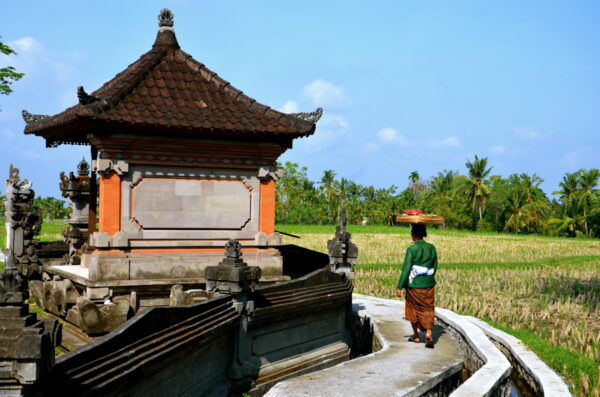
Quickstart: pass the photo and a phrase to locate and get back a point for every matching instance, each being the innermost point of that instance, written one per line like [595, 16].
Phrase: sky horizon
[404, 86]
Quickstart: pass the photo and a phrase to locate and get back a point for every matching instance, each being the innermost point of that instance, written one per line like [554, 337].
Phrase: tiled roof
[166, 90]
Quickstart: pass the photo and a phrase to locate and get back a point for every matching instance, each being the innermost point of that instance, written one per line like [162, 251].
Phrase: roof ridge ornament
[84, 97]
[30, 118]
[313, 117]
[165, 18]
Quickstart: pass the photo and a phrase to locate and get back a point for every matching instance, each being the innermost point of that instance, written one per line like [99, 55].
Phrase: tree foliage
[477, 201]
[8, 75]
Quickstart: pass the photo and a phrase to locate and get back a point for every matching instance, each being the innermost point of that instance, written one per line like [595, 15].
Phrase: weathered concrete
[540, 378]
[400, 368]
[491, 379]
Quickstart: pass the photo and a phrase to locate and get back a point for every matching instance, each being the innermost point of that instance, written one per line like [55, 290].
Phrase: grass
[543, 290]
[51, 231]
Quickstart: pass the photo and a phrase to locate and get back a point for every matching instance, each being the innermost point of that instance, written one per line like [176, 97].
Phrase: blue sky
[405, 85]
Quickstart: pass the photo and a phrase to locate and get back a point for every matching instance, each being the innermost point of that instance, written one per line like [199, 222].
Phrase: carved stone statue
[22, 224]
[77, 190]
[343, 253]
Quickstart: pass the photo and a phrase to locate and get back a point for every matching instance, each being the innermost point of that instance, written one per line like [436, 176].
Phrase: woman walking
[418, 279]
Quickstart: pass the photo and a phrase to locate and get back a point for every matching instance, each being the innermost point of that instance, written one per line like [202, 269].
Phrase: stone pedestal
[233, 275]
[343, 253]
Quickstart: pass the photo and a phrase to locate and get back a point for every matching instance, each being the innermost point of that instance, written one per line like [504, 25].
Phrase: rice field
[544, 290]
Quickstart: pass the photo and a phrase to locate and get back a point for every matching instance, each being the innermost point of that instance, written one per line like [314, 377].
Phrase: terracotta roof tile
[169, 89]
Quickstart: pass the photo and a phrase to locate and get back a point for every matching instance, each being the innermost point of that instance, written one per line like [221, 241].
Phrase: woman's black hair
[418, 230]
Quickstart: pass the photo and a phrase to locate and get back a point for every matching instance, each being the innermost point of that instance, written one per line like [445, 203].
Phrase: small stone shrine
[77, 190]
[181, 162]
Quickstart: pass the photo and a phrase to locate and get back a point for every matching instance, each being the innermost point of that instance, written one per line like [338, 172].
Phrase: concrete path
[400, 368]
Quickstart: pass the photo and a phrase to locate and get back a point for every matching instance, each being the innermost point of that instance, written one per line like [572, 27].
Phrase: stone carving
[22, 224]
[265, 173]
[30, 118]
[26, 344]
[232, 275]
[99, 318]
[104, 166]
[165, 18]
[233, 249]
[83, 168]
[313, 117]
[77, 190]
[84, 97]
[343, 253]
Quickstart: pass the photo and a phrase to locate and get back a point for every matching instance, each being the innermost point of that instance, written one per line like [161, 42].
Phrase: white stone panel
[160, 203]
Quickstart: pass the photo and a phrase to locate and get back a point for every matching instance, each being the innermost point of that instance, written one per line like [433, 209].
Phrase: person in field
[418, 279]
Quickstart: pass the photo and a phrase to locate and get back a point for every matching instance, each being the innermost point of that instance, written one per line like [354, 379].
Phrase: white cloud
[391, 135]
[498, 149]
[290, 107]
[527, 134]
[330, 129]
[33, 58]
[334, 120]
[324, 93]
[450, 141]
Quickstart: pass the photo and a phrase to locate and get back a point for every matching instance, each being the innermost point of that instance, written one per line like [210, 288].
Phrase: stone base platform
[171, 265]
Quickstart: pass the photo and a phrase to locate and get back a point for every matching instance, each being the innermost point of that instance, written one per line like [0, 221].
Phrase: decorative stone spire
[165, 18]
[166, 33]
[83, 168]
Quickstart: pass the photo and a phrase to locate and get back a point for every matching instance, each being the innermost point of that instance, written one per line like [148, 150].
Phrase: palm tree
[414, 177]
[477, 189]
[569, 185]
[441, 185]
[587, 181]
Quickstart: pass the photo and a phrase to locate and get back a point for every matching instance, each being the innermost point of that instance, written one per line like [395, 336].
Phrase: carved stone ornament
[84, 97]
[13, 174]
[30, 118]
[83, 168]
[313, 117]
[165, 18]
[233, 249]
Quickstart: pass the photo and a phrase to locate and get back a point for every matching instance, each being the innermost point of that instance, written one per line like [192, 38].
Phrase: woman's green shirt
[423, 254]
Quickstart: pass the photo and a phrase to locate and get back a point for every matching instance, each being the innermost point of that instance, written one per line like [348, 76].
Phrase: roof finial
[165, 18]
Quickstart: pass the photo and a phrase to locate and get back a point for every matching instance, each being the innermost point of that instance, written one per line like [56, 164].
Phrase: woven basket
[422, 219]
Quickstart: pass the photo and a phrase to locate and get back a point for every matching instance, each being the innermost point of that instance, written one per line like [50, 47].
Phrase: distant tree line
[475, 201]
[52, 208]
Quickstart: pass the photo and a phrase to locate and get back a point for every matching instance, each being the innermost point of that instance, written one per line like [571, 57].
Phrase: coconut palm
[587, 182]
[568, 186]
[414, 177]
[477, 189]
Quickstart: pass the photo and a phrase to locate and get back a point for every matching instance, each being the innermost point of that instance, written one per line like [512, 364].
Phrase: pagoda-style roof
[168, 91]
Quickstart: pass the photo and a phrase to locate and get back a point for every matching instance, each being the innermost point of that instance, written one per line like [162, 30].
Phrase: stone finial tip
[83, 168]
[165, 18]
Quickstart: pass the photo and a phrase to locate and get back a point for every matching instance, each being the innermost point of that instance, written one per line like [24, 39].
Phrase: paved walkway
[400, 368]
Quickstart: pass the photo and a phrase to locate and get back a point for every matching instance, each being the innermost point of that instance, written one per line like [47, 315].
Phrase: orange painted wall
[110, 203]
[266, 222]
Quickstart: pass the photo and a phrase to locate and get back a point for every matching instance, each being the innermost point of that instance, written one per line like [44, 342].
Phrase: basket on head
[417, 217]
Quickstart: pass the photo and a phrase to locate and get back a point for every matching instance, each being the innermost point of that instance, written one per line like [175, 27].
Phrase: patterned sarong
[419, 306]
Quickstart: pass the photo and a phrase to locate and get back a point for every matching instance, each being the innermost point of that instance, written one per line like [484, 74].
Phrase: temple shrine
[182, 162]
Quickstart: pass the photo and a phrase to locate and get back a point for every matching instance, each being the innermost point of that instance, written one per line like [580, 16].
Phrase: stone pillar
[26, 344]
[77, 190]
[22, 224]
[234, 277]
[343, 253]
